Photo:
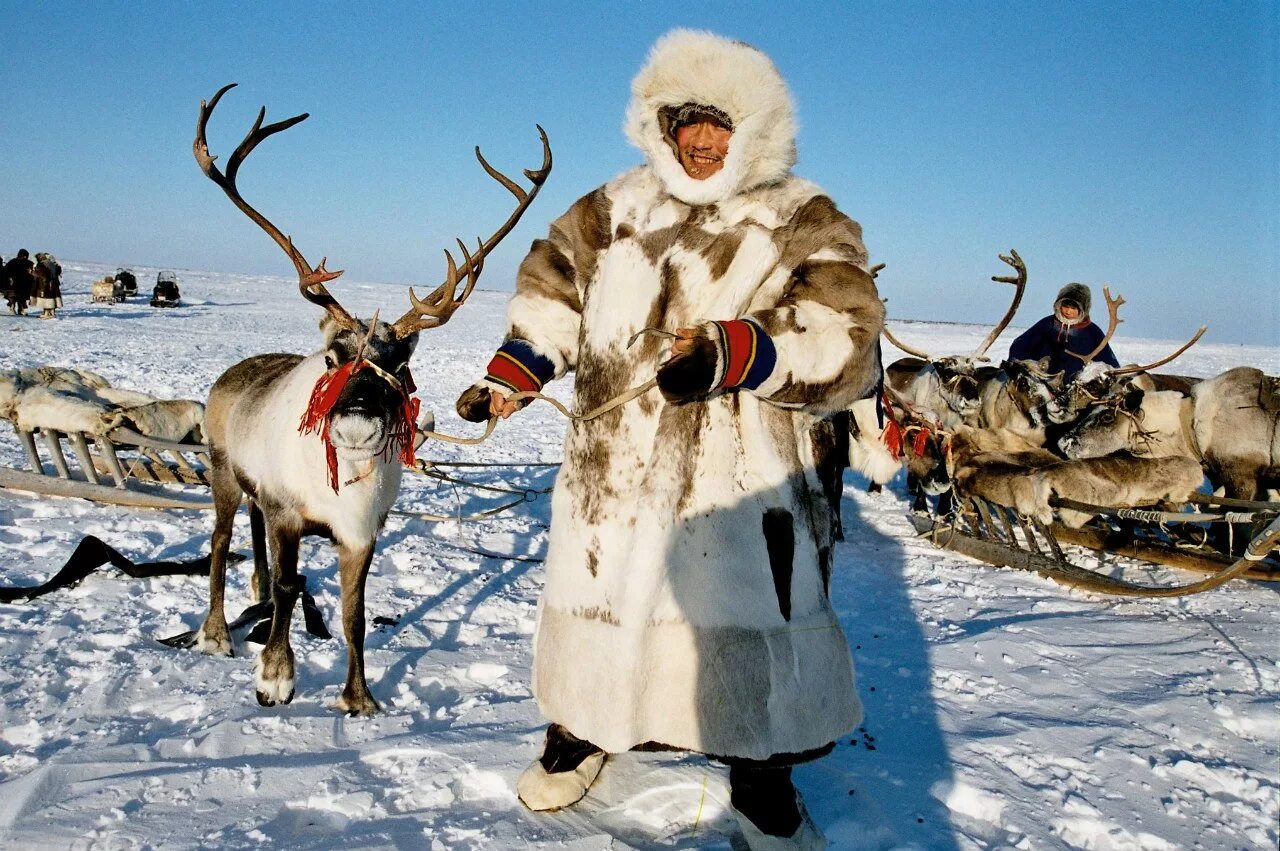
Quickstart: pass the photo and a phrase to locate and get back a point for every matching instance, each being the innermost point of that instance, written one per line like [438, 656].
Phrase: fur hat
[1077, 294]
[690, 68]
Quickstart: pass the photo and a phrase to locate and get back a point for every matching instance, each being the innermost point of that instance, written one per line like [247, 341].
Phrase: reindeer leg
[353, 567]
[261, 584]
[213, 636]
[274, 676]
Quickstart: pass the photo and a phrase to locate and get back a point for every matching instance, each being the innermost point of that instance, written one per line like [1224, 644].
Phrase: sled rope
[90, 554]
[530, 395]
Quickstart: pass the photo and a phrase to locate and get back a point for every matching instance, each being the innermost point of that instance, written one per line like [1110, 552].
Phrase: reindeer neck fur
[1002, 409]
[1166, 422]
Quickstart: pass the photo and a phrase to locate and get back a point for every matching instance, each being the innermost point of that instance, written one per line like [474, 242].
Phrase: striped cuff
[519, 368]
[747, 355]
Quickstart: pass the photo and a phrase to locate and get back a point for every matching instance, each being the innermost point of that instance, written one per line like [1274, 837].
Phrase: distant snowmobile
[166, 292]
[129, 281]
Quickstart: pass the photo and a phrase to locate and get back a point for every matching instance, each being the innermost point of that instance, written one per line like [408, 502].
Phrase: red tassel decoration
[918, 445]
[892, 438]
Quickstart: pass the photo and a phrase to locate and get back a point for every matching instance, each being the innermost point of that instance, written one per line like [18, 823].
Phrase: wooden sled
[120, 468]
[1001, 537]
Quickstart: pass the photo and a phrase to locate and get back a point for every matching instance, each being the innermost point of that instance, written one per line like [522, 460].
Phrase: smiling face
[702, 145]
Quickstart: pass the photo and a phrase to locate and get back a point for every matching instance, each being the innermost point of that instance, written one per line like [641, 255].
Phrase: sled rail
[1001, 537]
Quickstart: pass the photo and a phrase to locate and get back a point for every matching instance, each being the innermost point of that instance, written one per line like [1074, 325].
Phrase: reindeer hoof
[214, 644]
[353, 706]
[266, 700]
[274, 678]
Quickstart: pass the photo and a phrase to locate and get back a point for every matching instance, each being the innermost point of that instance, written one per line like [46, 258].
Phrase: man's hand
[690, 371]
[479, 403]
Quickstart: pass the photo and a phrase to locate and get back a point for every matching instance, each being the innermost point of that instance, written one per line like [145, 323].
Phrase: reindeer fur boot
[562, 775]
[770, 812]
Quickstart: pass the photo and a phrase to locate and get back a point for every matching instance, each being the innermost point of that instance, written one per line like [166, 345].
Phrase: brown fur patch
[547, 272]
[597, 613]
[817, 225]
[655, 244]
[682, 426]
[623, 231]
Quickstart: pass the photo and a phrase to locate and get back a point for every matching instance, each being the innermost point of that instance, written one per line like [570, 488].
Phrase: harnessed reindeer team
[317, 445]
[1081, 460]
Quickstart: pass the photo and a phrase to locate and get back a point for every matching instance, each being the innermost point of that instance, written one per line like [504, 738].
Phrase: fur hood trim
[1077, 293]
[690, 66]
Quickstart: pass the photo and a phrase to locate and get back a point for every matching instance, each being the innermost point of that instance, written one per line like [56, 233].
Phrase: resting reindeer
[1227, 424]
[315, 443]
[1001, 467]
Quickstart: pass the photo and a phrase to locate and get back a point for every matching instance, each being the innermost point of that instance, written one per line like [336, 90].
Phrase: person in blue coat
[1067, 330]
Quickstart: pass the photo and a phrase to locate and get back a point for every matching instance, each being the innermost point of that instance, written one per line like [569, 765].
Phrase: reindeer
[1228, 424]
[315, 443]
[951, 386]
[1000, 466]
[1097, 383]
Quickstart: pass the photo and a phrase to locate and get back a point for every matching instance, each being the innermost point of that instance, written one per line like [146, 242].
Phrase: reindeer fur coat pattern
[688, 566]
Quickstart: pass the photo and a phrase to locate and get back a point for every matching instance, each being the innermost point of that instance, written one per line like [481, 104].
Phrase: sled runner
[119, 468]
[1197, 538]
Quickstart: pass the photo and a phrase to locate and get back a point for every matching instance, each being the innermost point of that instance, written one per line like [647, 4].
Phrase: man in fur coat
[1068, 330]
[687, 574]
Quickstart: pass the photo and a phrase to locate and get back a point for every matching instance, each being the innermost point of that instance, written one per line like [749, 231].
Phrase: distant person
[48, 285]
[18, 272]
[1067, 330]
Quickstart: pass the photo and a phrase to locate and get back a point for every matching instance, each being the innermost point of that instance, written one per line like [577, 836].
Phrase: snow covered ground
[1003, 711]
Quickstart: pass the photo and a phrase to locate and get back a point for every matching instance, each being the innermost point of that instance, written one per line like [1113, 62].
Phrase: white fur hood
[688, 66]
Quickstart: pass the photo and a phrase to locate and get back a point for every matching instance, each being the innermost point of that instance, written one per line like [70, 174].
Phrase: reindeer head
[1035, 390]
[1111, 427]
[360, 402]
[1099, 384]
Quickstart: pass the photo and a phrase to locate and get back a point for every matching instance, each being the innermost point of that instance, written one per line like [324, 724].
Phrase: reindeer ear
[1133, 400]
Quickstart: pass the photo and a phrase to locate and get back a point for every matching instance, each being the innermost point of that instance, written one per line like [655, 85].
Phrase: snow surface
[1003, 711]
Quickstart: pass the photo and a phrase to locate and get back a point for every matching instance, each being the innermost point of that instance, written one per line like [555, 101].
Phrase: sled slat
[987, 520]
[113, 462]
[1029, 535]
[81, 449]
[141, 470]
[160, 466]
[29, 445]
[54, 445]
[1003, 513]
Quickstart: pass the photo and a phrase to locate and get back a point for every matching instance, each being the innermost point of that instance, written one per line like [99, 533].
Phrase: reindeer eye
[329, 362]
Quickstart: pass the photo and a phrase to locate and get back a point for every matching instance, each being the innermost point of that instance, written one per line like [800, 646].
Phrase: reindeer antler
[1113, 322]
[1129, 370]
[888, 335]
[439, 306]
[311, 282]
[1019, 282]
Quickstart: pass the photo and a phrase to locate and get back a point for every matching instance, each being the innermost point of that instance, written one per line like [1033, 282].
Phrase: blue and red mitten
[516, 367]
[726, 355]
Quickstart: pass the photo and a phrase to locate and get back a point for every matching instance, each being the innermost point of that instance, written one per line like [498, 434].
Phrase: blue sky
[1137, 146]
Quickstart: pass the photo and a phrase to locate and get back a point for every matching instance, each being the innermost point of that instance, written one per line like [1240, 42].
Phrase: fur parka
[690, 548]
